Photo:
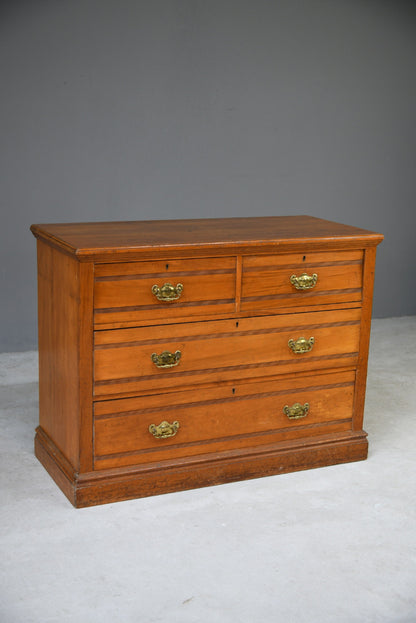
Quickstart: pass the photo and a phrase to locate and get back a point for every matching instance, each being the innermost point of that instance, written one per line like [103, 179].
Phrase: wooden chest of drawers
[179, 354]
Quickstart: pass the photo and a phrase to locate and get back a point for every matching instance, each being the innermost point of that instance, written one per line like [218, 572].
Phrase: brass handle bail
[164, 429]
[296, 411]
[304, 281]
[301, 345]
[167, 292]
[166, 359]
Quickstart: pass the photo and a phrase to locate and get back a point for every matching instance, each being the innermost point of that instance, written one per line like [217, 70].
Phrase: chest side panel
[58, 336]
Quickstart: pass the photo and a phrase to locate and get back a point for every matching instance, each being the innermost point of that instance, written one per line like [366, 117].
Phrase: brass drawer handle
[304, 281]
[167, 292]
[164, 429]
[296, 411]
[166, 359]
[301, 345]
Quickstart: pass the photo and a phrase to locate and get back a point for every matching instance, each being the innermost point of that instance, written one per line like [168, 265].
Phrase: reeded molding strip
[207, 442]
[233, 398]
[267, 364]
[179, 305]
[165, 275]
[298, 265]
[211, 336]
[301, 295]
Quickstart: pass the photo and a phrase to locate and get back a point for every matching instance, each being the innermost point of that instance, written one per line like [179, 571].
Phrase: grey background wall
[139, 109]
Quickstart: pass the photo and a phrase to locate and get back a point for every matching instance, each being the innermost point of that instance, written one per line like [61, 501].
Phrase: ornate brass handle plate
[296, 411]
[164, 429]
[304, 281]
[166, 359]
[167, 292]
[301, 345]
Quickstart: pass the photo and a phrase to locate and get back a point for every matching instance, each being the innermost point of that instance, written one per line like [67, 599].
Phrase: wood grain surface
[100, 326]
[220, 350]
[244, 415]
[168, 238]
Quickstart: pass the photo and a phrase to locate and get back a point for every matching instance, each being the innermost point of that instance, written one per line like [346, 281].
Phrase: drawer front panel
[221, 418]
[124, 360]
[134, 291]
[285, 281]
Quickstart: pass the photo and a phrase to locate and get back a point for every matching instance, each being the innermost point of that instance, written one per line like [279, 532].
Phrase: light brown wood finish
[85, 348]
[232, 324]
[65, 340]
[266, 280]
[124, 291]
[58, 337]
[361, 379]
[130, 240]
[124, 483]
[252, 414]
[213, 351]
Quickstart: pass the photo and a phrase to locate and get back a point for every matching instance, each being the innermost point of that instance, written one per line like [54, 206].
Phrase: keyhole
[236, 324]
[233, 390]
[167, 266]
[304, 257]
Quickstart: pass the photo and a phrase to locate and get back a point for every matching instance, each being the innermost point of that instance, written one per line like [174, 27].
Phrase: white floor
[336, 544]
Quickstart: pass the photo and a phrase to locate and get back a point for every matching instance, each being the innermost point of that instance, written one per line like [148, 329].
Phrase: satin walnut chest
[180, 354]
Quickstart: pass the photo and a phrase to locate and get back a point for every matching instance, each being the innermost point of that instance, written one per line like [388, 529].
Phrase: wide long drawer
[160, 290]
[230, 416]
[138, 360]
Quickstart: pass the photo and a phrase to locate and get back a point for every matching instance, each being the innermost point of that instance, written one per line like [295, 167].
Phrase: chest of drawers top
[130, 240]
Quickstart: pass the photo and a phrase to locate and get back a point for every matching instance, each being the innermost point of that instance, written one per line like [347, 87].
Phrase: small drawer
[160, 290]
[297, 280]
[132, 360]
[230, 416]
